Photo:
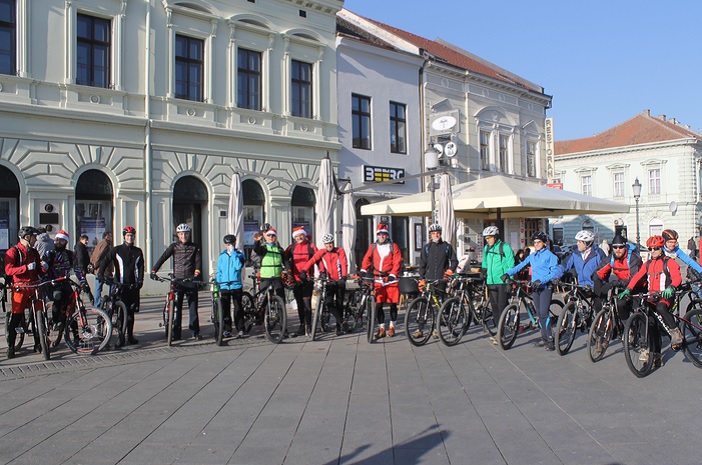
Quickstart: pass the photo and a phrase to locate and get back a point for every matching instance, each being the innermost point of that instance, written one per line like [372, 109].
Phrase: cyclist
[274, 263]
[99, 253]
[128, 262]
[617, 272]
[23, 265]
[544, 268]
[334, 266]
[673, 250]
[497, 259]
[231, 287]
[187, 263]
[384, 257]
[663, 276]
[586, 261]
[298, 254]
[58, 263]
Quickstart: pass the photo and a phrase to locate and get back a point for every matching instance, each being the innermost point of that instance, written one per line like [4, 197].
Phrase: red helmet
[128, 230]
[655, 241]
[670, 234]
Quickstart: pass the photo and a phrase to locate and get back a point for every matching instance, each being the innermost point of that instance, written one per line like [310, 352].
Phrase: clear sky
[603, 62]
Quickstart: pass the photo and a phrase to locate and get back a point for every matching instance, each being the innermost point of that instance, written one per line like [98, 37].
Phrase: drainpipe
[147, 138]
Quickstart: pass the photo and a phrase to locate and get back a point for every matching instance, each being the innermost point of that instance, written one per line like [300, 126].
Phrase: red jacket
[383, 258]
[621, 268]
[334, 263]
[658, 279]
[17, 266]
[298, 256]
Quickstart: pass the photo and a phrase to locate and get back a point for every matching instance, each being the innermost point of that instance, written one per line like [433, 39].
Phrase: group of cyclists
[293, 267]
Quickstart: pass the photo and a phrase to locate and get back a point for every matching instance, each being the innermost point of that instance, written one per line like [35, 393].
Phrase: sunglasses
[618, 247]
[651, 249]
[271, 235]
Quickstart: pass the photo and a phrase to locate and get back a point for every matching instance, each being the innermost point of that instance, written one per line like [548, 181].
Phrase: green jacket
[497, 263]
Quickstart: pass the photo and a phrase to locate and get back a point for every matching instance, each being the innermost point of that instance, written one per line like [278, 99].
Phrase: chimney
[673, 121]
[661, 117]
[647, 112]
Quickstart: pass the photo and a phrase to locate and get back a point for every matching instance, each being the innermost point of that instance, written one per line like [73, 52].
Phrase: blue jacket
[229, 269]
[544, 266]
[585, 269]
[677, 252]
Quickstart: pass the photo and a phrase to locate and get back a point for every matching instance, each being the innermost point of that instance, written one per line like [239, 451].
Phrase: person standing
[497, 259]
[436, 260]
[23, 264]
[82, 256]
[297, 255]
[333, 265]
[187, 263]
[99, 253]
[624, 263]
[231, 286]
[383, 260]
[128, 262]
[44, 242]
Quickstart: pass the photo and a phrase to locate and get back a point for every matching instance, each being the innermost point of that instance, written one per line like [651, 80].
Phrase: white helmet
[586, 236]
[491, 231]
[435, 227]
[182, 227]
[327, 238]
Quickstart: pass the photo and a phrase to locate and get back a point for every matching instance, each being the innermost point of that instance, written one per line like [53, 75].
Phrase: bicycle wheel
[40, 320]
[249, 311]
[482, 313]
[638, 346]
[372, 318]
[88, 331]
[275, 320]
[508, 326]
[564, 332]
[352, 309]
[317, 318]
[452, 321]
[118, 312]
[218, 321]
[692, 337]
[419, 321]
[19, 338]
[600, 334]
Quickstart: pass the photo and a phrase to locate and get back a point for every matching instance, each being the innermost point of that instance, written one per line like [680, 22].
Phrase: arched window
[189, 199]
[303, 201]
[94, 206]
[9, 216]
[254, 216]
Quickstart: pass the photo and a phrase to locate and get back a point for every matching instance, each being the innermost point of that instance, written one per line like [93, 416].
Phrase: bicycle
[360, 304]
[36, 322]
[269, 304]
[116, 309]
[420, 319]
[509, 326]
[577, 314]
[456, 313]
[168, 321]
[472, 293]
[606, 325]
[321, 314]
[86, 331]
[217, 315]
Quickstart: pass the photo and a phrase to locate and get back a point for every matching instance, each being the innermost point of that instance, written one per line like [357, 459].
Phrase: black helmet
[539, 235]
[618, 240]
[229, 239]
[27, 231]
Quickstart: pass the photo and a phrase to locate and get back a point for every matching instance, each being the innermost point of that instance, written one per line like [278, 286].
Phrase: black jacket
[82, 256]
[186, 259]
[129, 264]
[435, 259]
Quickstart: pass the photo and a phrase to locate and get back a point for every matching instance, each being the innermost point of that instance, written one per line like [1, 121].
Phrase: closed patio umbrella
[446, 217]
[324, 223]
[235, 210]
[348, 231]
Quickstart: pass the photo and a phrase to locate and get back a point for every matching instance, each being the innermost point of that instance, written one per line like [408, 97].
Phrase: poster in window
[418, 236]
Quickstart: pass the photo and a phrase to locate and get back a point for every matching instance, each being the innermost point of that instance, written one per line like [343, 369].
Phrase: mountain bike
[577, 314]
[35, 322]
[420, 319]
[266, 303]
[456, 313]
[360, 305]
[471, 293]
[606, 325]
[116, 309]
[168, 320]
[321, 315]
[509, 326]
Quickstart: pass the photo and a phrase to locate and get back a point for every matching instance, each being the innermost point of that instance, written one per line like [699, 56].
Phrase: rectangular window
[586, 184]
[93, 51]
[504, 154]
[654, 181]
[531, 159]
[189, 68]
[361, 121]
[301, 89]
[8, 37]
[619, 184]
[398, 128]
[248, 79]
[484, 150]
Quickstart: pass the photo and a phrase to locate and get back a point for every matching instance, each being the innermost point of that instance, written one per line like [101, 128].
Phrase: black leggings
[381, 313]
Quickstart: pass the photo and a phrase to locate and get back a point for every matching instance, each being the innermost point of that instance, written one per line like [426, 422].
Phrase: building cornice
[629, 149]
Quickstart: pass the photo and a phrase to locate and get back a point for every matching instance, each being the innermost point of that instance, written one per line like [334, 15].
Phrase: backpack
[502, 250]
[8, 278]
[631, 250]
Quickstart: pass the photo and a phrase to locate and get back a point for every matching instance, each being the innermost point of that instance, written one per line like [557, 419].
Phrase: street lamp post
[431, 163]
[637, 194]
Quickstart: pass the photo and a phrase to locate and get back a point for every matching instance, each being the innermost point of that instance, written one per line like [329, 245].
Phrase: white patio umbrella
[446, 217]
[348, 231]
[235, 210]
[324, 224]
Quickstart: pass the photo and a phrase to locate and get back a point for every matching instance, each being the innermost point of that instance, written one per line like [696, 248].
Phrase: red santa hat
[382, 229]
[299, 230]
[272, 231]
[62, 235]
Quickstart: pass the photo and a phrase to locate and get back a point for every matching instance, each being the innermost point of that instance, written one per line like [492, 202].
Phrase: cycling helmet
[27, 231]
[655, 241]
[182, 227]
[435, 227]
[670, 235]
[539, 235]
[327, 238]
[128, 230]
[586, 236]
[491, 231]
[229, 239]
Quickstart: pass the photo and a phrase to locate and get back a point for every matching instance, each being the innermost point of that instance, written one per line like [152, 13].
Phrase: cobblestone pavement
[341, 400]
